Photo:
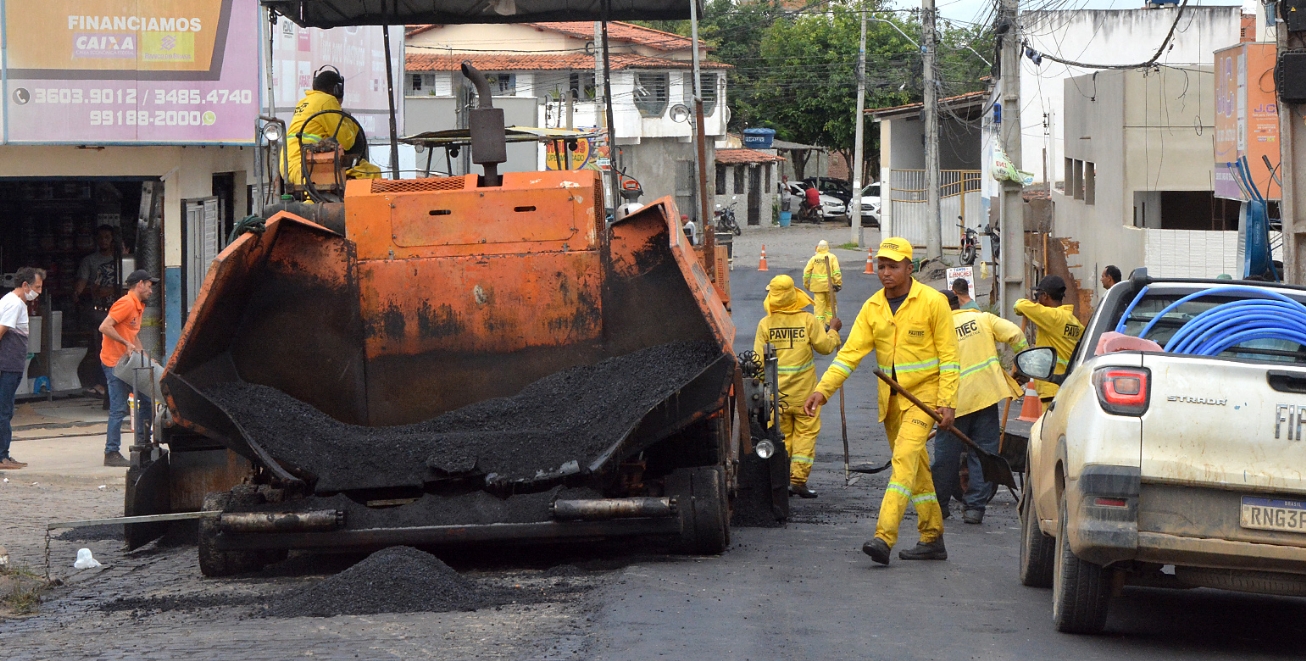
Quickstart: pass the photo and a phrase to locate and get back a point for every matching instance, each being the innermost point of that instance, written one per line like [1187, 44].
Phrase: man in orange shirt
[120, 329]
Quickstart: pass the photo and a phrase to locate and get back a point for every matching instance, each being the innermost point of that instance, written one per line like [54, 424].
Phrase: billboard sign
[131, 71]
[1246, 118]
[358, 52]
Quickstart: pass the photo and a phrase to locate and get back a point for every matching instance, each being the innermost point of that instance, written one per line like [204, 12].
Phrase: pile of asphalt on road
[560, 423]
[398, 579]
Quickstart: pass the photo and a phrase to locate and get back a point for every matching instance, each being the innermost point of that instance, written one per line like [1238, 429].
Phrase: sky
[973, 10]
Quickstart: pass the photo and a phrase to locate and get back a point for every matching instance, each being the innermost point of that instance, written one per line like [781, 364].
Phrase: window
[709, 83]
[420, 84]
[1077, 179]
[582, 83]
[739, 179]
[502, 84]
[651, 93]
[416, 85]
[721, 180]
[1090, 182]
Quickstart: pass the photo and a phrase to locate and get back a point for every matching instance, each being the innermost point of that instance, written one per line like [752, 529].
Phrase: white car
[1192, 459]
[831, 207]
[871, 204]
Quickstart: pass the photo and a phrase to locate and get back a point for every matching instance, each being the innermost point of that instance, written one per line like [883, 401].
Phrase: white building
[1109, 37]
[534, 65]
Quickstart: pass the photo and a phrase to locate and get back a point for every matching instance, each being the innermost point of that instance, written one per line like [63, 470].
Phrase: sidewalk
[64, 460]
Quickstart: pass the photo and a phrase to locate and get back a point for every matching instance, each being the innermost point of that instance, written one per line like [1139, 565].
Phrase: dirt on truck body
[456, 364]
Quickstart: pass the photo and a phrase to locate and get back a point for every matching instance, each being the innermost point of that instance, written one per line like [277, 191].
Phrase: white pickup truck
[1192, 459]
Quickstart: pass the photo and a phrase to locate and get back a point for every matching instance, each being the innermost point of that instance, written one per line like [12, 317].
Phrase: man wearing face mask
[14, 330]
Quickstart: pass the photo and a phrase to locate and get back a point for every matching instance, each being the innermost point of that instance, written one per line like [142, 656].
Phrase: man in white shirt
[13, 352]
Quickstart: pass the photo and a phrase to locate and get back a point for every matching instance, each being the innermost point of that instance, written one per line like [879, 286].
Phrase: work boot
[8, 463]
[116, 460]
[878, 549]
[801, 490]
[925, 551]
[973, 516]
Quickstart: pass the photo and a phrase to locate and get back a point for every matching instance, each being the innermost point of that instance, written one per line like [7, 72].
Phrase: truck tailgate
[1225, 424]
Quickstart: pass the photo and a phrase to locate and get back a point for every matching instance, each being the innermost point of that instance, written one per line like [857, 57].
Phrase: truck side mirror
[1037, 363]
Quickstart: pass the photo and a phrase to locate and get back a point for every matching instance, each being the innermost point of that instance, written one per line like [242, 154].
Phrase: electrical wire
[1141, 65]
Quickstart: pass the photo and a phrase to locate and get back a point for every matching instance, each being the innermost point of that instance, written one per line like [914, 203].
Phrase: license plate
[1273, 514]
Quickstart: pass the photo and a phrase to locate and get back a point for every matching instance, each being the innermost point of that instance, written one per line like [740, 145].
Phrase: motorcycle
[725, 218]
[970, 242]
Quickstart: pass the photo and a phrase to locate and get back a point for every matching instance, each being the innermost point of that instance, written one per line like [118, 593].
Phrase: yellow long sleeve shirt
[1057, 328]
[917, 346]
[795, 335]
[322, 126]
[815, 277]
[983, 381]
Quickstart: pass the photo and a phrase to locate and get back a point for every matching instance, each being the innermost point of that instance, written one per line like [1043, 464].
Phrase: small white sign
[966, 272]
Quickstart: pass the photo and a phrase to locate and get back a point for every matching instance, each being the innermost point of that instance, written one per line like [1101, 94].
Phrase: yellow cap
[895, 248]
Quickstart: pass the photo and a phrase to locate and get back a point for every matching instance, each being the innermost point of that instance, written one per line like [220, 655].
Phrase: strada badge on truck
[1296, 416]
[1185, 399]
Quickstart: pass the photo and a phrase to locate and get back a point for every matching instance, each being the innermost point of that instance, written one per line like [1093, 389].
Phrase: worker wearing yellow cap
[909, 327]
[1057, 327]
[795, 333]
[819, 280]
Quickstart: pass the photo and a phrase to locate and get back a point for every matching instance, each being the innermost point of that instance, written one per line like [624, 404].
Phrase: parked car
[832, 208]
[871, 204]
[839, 188]
[1187, 455]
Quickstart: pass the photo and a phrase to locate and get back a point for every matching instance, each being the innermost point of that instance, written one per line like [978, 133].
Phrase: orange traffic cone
[870, 265]
[761, 265]
[1031, 408]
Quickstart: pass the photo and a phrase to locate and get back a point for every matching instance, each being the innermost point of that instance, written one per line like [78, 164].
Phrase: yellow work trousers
[911, 481]
[821, 306]
[800, 432]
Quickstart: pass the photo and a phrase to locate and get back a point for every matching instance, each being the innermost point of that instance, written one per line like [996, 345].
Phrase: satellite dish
[680, 113]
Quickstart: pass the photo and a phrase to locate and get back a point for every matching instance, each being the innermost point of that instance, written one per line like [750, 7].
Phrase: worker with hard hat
[795, 333]
[820, 276]
[982, 386]
[909, 327]
[314, 116]
[1057, 327]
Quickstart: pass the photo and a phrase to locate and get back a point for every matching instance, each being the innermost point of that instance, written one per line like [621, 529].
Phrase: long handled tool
[843, 414]
[995, 467]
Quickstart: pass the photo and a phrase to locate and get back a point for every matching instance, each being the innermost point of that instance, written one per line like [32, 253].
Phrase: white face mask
[31, 295]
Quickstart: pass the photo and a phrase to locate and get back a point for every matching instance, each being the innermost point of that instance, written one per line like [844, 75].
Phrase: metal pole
[607, 101]
[1011, 267]
[270, 111]
[858, 156]
[1292, 145]
[933, 221]
[700, 138]
[390, 98]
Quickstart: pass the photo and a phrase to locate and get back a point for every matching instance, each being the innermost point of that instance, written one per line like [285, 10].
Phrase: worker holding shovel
[909, 327]
[795, 333]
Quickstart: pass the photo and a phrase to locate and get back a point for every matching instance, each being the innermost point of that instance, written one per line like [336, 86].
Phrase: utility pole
[1292, 169]
[933, 221]
[1011, 265]
[858, 157]
[700, 144]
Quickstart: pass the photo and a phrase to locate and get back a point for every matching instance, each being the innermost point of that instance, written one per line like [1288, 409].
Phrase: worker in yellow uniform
[1057, 326]
[984, 384]
[820, 281]
[327, 93]
[795, 333]
[909, 327]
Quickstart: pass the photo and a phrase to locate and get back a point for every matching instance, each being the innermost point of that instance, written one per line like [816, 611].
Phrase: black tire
[1081, 591]
[703, 504]
[215, 563]
[968, 254]
[1037, 550]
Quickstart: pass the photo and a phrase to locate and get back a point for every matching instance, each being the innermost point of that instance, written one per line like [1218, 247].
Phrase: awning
[460, 137]
[338, 13]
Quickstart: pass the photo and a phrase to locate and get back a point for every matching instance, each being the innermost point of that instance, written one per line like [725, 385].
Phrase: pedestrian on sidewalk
[909, 327]
[121, 329]
[14, 329]
[983, 386]
[820, 280]
[1057, 327]
[795, 333]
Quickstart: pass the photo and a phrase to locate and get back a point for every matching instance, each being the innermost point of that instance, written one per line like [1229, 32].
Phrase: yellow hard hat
[895, 248]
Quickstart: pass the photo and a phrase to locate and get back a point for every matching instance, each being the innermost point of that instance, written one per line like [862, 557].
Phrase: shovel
[843, 415]
[995, 467]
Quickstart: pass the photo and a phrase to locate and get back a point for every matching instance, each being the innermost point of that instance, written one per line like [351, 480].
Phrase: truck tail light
[1123, 390]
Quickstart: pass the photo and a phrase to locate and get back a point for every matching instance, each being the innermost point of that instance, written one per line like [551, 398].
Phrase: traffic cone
[761, 265]
[870, 266]
[1031, 408]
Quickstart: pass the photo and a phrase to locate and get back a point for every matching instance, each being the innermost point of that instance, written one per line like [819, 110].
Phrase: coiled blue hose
[1269, 315]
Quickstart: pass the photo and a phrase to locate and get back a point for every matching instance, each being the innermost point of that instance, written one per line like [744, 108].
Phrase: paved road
[801, 592]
